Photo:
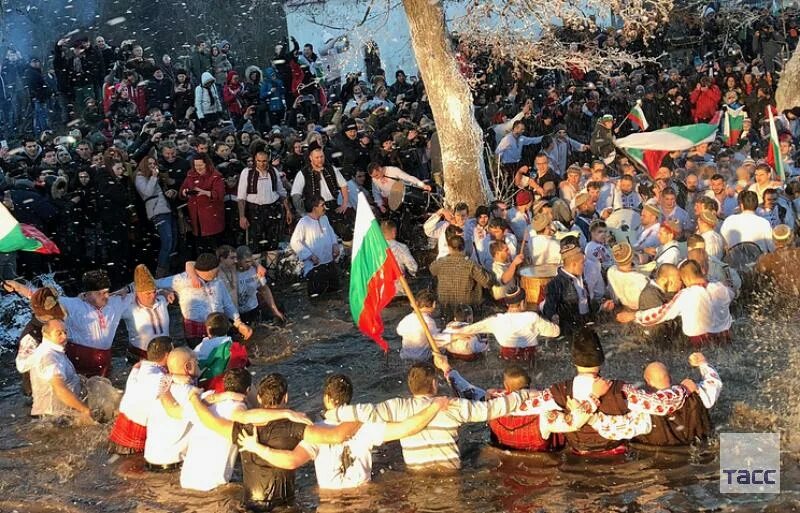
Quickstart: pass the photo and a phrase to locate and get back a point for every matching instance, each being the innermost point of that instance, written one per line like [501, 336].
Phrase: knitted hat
[653, 209]
[514, 297]
[523, 198]
[672, 226]
[142, 279]
[607, 117]
[623, 253]
[586, 349]
[539, 205]
[44, 303]
[206, 262]
[95, 280]
[708, 217]
[350, 125]
[570, 247]
[580, 199]
[781, 233]
[541, 221]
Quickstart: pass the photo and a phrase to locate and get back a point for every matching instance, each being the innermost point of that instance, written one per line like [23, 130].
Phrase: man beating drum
[384, 177]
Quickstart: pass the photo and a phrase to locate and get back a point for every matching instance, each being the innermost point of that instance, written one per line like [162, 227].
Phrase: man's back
[264, 484]
[747, 227]
[167, 437]
[459, 280]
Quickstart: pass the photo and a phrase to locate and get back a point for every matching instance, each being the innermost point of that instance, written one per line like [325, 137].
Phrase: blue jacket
[274, 99]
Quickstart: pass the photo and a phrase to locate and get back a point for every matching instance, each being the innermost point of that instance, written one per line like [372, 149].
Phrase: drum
[625, 225]
[743, 257]
[534, 280]
[412, 198]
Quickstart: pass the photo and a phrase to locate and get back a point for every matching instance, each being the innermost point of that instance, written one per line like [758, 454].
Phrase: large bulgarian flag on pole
[373, 272]
[648, 149]
[774, 151]
[22, 237]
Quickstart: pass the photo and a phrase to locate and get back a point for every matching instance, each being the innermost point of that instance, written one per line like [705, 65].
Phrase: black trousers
[266, 226]
[342, 224]
[322, 279]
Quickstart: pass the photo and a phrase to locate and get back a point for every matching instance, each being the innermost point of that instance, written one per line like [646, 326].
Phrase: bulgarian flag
[373, 272]
[636, 117]
[22, 237]
[227, 355]
[734, 124]
[774, 151]
[649, 149]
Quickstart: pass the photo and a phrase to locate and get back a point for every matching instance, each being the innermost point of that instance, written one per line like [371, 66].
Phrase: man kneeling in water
[349, 464]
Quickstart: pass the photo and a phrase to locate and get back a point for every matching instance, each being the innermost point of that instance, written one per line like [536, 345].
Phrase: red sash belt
[128, 434]
[89, 361]
[518, 353]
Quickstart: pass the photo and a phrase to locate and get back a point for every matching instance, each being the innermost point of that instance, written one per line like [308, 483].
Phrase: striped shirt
[437, 444]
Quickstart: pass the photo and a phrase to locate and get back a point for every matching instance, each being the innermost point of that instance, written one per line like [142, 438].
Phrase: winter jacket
[705, 103]
[199, 64]
[273, 90]
[221, 66]
[602, 140]
[114, 201]
[206, 214]
[233, 95]
[88, 73]
[252, 88]
[36, 86]
[206, 99]
[155, 203]
[159, 93]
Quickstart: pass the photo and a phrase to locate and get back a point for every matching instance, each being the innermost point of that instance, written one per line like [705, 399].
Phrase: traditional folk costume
[145, 323]
[146, 382]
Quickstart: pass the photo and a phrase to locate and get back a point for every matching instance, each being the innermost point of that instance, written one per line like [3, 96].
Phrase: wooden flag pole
[420, 317]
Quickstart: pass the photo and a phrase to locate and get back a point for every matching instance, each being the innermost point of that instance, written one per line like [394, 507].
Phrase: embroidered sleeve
[27, 346]
[537, 402]
[661, 403]
[621, 427]
[710, 388]
[564, 422]
[659, 314]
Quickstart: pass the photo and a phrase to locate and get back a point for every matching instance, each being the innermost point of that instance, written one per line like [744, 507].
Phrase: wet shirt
[94, 327]
[49, 362]
[249, 283]
[263, 483]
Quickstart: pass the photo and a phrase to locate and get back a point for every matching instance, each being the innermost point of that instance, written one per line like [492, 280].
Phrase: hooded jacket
[206, 97]
[273, 90]
[252, 88]
[233, 95]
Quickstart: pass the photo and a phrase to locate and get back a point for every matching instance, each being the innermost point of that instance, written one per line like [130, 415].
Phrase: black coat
[350, 151]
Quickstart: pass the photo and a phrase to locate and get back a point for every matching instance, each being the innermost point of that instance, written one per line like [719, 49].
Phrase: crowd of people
[202, 173]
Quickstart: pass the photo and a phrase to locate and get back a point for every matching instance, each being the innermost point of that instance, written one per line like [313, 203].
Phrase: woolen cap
[781, 233]
[586, 349]
[523, 198]
[672, 226]
[541, 221]
[44, 302]
[653, 209]
[623, 253]
[570, 246]
[142, 279]
[206, 262]
[95, 280]
[580, 199]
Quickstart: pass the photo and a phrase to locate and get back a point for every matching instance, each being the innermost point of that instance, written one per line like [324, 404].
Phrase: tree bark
[787, 96]
[459, 136]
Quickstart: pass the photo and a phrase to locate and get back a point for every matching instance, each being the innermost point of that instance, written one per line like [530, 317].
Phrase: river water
[45, 469]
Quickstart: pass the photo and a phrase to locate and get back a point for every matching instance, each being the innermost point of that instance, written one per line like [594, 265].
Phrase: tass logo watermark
[749, 463]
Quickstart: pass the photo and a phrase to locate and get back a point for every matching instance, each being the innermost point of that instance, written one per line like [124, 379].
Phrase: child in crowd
[415, 344]
[597, 249]
[218, 353]
[401, 253]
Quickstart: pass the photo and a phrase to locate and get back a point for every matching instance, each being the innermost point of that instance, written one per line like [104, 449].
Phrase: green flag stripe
[370, 258]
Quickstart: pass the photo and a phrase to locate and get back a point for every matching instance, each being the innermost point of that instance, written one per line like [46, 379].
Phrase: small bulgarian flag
[22, 237]
[214, 363]
[734, 124]
[774, 151]
[648, 149]
[636, 116]
[373, 272]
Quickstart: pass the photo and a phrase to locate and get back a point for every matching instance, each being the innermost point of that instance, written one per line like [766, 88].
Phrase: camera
[191, 192]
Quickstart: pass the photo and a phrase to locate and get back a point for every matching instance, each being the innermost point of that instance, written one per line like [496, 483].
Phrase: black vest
[586, 438]
[252, 180]
[312, 185]
[691, 422]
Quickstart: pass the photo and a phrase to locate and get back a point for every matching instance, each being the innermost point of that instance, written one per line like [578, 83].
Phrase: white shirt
[89, 327]
[415, 343]
[313, 237]
[435, 227]
[721, 297]
[747, 227]
[264, 194]
[669, 253]
[626, 287]
[382, 187]
[593, 276]
[483, 247]
[49, 361]
[405, 260]
[459, 345]
[167, 438]
[715, 244]
[692, 304]
[678, 215]
[514, 329]
[520, 222]
[648, 238]
[329, 459]
[727, 204]
[328, 195]
[247, 291]
[599, 253]
[630, 200]
[502, 290]
[146, 382]
[544, 250]
[197, 303]
[210, 457]
[144, 324]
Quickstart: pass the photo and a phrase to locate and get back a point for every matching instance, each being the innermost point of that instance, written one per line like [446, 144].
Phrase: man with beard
[263, 203]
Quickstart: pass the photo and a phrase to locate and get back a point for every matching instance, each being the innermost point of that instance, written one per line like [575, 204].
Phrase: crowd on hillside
[195, 176]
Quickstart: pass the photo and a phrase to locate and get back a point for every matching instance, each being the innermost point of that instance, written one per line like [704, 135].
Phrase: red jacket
[231, 95]
[705, 103]
[207, 214]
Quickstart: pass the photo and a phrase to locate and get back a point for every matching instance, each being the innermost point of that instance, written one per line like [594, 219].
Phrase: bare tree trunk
[787, 95]
[460, 137]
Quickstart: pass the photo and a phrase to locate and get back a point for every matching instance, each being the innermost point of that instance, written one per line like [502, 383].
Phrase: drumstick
[522, 246]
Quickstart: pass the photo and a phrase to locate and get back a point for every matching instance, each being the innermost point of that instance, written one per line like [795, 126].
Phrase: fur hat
[539, 205]
[206, 262]
[541, 221]
[514, 297]
[586, 349]
[623, 253]
[95, 280]
[570, 246]
[44, 303]
[142, 279]
[672, 226]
